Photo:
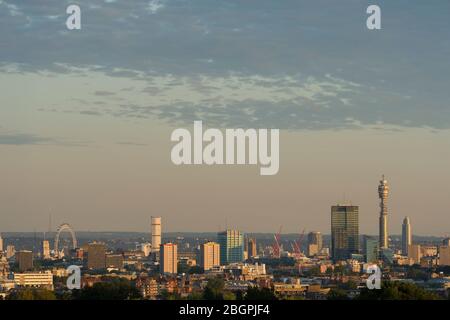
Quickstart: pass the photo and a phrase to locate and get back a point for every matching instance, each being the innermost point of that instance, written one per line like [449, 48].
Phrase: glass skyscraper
[344, 231]
[231, 246]
[371, 249]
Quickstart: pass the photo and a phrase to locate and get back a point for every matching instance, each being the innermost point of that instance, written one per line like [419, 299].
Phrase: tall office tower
[168, 256]
[315, 237]
[96, 253]
[371, 249]
[156, 233]
[251, 248]
[231, 246]
[406, 236]
[1, 243]
[383, 193]
[10, 251]
[209, 255]
[344, 231]
[25, 260]
[45, 249]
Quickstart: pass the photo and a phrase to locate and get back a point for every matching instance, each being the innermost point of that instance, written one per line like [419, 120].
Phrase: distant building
[149, 288]
[245, 271]
[45, 249]
[282, 289]
[406, 236]
[415, 253]
[344, 231]
[1, 243]
[371, 249]
[34, 279]
[315, 237]
[25, 260]
[251, 248]
[446, 242]
[313, 249]
[444, 255]
[10, 251]
[114, 261]
[146, 249]
[156, 232]
[231, 246]
[387, 255]
[428, 251]
[96, 253]
[168, 258]
[209, 255]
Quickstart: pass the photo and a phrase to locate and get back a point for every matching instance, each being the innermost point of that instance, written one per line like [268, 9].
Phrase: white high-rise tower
[383, 193]
[1, 243]
[156, 233]
[406, 236]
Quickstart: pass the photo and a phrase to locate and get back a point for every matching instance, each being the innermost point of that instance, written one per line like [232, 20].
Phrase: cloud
[285, 63]
[135, 144]
[15, 138]
[154, 6]
[23, 139]
[90, 112]
[103, 93]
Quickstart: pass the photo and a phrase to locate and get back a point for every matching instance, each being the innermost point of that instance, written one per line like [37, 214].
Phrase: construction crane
[276, 246]
[297, 245]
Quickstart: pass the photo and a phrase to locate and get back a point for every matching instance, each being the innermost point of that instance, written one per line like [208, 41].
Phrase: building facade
[25, 260]
[209, 255]
[34, 280]
[415, 253]
[406, 236]
[231, 246]
[96, 253]
[251, 248]
[371, 249]
[10, 251]
[344, 231]
[444, 255]
[156, 233]
[45, 249]
[168, 256]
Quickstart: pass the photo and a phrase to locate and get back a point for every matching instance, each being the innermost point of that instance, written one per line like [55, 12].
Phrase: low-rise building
[34, 279]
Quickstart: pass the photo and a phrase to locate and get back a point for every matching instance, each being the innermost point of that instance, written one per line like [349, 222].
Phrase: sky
[86, 115]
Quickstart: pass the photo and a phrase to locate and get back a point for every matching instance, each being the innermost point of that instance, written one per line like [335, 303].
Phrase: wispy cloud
[154, 6]
[23, 139]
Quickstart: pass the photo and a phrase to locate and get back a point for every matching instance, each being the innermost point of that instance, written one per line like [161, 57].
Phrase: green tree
[417, 274]
[195, 296]
[229, 296]
[31, 294]
[397, 291]
[196, 270]
[259, 294]
[118, 289]
[214, 289]
[337, 294]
